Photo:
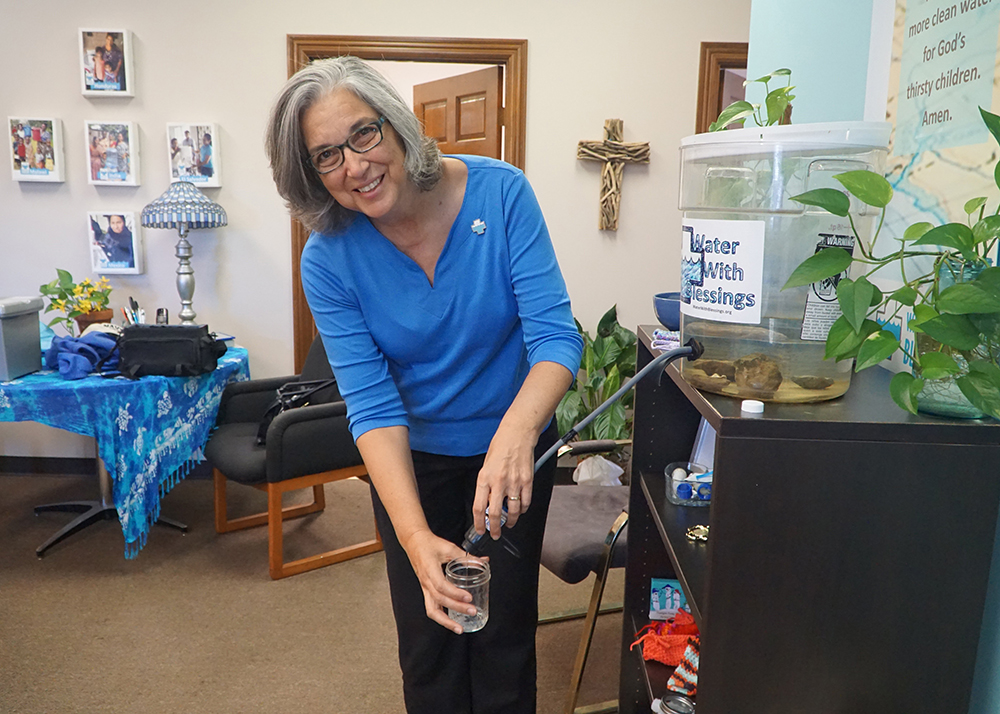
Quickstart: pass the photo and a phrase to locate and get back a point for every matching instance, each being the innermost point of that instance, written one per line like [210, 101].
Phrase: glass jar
[472, 575]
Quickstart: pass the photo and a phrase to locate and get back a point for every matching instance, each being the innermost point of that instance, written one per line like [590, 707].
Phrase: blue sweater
[445, 361]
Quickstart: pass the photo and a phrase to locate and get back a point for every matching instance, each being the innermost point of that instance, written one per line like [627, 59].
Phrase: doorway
[511, 55]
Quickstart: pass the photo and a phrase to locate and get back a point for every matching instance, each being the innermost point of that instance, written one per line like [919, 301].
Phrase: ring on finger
[513, 498]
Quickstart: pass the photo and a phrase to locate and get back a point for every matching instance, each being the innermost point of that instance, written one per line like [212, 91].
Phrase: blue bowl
[668, 310]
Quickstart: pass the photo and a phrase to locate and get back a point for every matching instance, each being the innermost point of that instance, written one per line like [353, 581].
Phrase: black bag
[168, 350]
[292, 396]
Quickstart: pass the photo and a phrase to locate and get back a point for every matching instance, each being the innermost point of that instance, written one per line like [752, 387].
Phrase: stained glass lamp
[185, 208]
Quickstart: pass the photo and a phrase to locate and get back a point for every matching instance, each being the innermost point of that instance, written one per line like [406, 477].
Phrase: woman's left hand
[508, 472]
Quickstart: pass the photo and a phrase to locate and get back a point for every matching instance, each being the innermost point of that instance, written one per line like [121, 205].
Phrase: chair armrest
[310, 440]
[247, 401]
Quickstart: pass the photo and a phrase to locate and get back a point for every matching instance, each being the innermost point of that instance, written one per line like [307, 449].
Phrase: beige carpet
[195, 624]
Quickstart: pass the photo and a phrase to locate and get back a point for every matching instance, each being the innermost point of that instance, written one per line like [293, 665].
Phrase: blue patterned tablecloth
[149, 431]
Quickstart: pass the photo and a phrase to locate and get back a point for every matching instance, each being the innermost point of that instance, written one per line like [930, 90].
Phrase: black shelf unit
[849, 553]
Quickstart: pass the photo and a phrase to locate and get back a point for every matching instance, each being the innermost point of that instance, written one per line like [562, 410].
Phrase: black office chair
[305, 447]
[585, 533]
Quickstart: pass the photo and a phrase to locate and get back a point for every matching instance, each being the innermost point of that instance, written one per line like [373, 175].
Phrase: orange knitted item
[685, 677]
[666, 641]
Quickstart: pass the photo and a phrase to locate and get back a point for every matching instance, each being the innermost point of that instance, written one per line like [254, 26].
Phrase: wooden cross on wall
[615, 153]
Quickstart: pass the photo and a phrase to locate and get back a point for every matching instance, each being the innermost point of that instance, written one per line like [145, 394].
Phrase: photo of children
[114, 245]
[36, 149]
[106, 59]
[112, 153]
[194, 153]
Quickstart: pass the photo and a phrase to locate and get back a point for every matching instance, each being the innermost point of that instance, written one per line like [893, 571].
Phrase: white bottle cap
[752, 406]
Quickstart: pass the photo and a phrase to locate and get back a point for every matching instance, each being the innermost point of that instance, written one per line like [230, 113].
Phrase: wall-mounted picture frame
[36, 149]
[115, 243]
[193, 154]
[106, 62]
[112, 153]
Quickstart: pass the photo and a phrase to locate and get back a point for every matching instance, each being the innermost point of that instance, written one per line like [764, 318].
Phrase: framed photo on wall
[193, 153]
[36, 149]
[106, 62]
[115, 244]
[112, 153]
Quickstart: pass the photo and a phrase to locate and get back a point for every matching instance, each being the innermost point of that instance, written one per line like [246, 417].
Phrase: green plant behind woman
[608, 361]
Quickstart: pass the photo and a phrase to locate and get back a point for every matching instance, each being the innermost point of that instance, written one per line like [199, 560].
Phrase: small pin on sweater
[478, 227]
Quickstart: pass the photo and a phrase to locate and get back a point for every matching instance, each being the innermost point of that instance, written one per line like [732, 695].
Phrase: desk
[149, 431]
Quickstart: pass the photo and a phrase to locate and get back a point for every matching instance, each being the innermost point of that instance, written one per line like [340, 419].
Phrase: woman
[436, 290]
[116, 242]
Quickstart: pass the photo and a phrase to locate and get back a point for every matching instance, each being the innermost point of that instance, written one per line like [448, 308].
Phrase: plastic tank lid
[842, 133]
[9, 307]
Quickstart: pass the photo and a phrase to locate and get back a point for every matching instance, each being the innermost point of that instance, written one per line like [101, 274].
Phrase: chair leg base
[276, 515]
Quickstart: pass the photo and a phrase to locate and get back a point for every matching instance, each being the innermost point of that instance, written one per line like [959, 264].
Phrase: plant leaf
[950, 235]
[819, 266]
[904, 389]
[830, 199]
[981, 386]
[606, 327]
[569, 411]
[855, 298]
[868, 186]
[916, 230]
[606, 351]
[65, 279]
[974, 204]
[905, 296]
[937, 365]
[610, 424]
[992, 122]
[612, 382]
[734, 112]
[842, 342]
[953, 330]
[986, 229]
[877, 347]
[968, 298]
[777, 102]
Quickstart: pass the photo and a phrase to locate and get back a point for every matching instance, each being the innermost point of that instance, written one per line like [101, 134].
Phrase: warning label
[822, 308]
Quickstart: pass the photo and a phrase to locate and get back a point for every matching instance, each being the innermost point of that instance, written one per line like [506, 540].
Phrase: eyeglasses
[329, 158]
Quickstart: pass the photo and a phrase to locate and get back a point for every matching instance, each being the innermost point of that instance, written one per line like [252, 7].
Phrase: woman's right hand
[428, 553]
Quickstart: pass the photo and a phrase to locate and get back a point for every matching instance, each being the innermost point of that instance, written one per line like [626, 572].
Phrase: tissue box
[20, 338]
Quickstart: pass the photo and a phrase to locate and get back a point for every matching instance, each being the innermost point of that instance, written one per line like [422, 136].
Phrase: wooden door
[464, 114]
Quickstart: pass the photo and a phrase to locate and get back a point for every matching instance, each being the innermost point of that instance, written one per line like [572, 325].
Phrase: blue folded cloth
[76, 357]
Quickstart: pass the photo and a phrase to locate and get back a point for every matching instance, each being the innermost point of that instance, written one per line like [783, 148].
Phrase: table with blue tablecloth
[149, 431]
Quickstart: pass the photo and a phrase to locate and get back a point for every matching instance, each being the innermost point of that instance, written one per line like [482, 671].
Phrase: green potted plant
[81, 303]
[777, 105]
[955, 302]
[608, 361]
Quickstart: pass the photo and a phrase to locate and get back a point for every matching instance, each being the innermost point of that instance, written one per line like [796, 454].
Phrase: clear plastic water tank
[742, 237]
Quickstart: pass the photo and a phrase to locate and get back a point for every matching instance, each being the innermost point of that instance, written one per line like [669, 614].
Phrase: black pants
[487, 672]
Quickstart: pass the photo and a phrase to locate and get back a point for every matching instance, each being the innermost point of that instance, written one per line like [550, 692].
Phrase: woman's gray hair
[297, 181]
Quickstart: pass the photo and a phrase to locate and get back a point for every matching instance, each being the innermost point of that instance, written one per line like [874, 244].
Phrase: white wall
[223, 62]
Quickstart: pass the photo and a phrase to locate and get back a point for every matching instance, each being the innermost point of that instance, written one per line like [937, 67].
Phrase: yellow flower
[85, 305]
[78, 291]
[85, 281]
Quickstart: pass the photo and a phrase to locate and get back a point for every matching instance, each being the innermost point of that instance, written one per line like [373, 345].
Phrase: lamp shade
[183, 203]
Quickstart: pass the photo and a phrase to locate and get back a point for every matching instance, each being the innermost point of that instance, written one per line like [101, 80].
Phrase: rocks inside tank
[757, 373]
[807, 382]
